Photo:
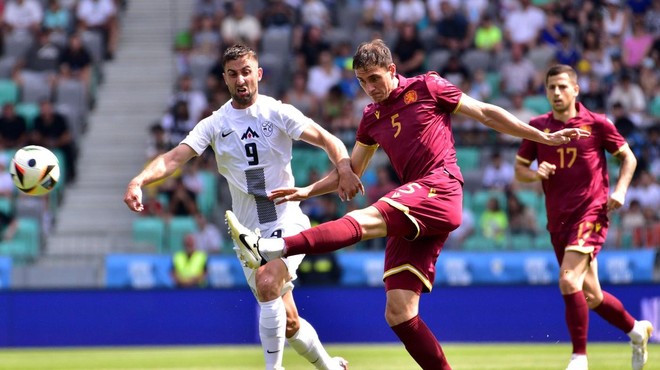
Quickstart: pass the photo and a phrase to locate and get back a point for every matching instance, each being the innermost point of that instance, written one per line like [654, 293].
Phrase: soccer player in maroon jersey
[410, 120]
[576, 185]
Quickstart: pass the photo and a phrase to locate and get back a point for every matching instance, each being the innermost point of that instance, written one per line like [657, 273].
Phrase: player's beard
[242, 100]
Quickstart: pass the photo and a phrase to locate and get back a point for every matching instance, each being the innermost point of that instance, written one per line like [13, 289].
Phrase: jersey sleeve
[613, 142]
[526, 152]
[446, 94]
[199, 138]
[293, 120]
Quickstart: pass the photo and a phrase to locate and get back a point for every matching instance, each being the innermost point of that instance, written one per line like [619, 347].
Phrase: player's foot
[640, 352]
[578, 362]
[342, 364]
[253, 249]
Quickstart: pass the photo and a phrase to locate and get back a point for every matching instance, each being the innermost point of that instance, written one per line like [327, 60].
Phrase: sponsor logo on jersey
[410, 97]
[249, 134]
[267, 128]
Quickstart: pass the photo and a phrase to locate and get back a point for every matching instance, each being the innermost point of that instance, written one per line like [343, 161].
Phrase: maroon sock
[611, 309]
[577, 320]
[324, 238]
[421, 344]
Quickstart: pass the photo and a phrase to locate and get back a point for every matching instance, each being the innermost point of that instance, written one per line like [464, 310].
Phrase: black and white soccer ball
[35, 170]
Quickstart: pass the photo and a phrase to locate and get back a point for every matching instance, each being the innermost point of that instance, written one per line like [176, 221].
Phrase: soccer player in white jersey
[251, 136]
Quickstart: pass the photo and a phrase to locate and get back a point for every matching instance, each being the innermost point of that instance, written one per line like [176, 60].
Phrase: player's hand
[349, 185]
[545, 170]
[284, 195]
[615, 201]
[133, 198]
[566, 135]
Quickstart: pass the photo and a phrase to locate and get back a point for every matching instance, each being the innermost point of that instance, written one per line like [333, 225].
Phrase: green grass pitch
[610, 356]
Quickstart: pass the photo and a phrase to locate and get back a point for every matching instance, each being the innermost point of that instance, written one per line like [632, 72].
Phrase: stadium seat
[537, 103]
[200, 65]
[7, 64]
[8, 92]
[304, 160]
[17, 44]
[34, 87]
[494, 79]
[208, 197]
[520, 242]
[437, 60]
[654, 107]
[29, 111]
[475, 59]
[177, 228]
[529, 198]
[27, 239]
[469, 158]
[542, 241]
[150, 231]
[478, 243]
[6, 205]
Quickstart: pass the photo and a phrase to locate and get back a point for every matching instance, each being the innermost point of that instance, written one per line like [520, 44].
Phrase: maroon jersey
[413, 126]
[579, 189]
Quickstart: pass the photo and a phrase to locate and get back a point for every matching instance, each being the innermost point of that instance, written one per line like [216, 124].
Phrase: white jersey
[253, 149]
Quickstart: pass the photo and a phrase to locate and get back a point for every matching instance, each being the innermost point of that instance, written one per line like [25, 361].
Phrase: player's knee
[395, 315]
[568, 281]
[268, 285]
[593, 298]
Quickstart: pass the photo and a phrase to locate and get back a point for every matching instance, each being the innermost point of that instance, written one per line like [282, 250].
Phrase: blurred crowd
[496, 51]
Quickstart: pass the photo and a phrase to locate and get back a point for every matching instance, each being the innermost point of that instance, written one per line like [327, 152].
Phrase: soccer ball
[35, 170]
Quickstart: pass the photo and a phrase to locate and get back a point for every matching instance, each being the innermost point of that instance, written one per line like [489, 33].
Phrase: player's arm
[499, 119]
[360, 157]
[626, 171]
[524, 173]
[162, 166]
[348, 183]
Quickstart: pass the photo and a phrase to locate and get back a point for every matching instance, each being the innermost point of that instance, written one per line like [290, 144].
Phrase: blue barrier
[366, 269]
[5, 272]
[114, 317]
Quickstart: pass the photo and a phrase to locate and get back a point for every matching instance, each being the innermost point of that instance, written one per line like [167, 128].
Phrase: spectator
[494, 222]
[315, 13]
[479, 86]
[323, 76]
[378, 14]
[595, 97]
[566, 53]
[532, 17]
[177, 122]
[57, 19]
[181, 201]
[615, 19]
[208, 237]
[41, 62]
[453, 29]
[408, 51]
[13, 129]
[75, 61]
[298, 96]
[649, 78]
[632, 225]
[158, 142]
[240, 27]
[194, 98]
[100, 16]
[636, 46]
[646, 190]
[278, 14]
[385, 181]
[208, 8]
[22, 16]
[189, 266]
[652, 18]
[311, 46]
[519, 75]
[206, 39]
[8, 225]
[455, 71]
[519, 110]
[409, 12]
[498, 173]
[630, 95]
[553, 31]
[594, 53]
[488, 35]
[522, 219]
[51, 130]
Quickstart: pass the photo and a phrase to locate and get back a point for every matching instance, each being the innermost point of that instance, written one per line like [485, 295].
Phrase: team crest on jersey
[410, 97]
[249, 134]
[586, 128]
[377, 114]
[546, 130]
[267, 128]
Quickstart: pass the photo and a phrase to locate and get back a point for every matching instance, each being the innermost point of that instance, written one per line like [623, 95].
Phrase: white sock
[272, 329]
[636, 334]
[306, 342]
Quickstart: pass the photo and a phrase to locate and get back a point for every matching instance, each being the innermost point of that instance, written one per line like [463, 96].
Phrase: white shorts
[281, 228]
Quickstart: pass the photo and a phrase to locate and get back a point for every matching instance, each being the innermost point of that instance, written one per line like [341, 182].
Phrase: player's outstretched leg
[253, 249]
[639, 338]
[306, 343]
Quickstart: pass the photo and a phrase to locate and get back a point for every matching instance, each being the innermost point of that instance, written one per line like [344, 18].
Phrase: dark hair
[372, 54]
[236, 52]
[559, 69]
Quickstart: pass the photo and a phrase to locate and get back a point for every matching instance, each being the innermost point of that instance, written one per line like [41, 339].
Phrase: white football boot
[253, 249]
[640, 352]
[578, 362]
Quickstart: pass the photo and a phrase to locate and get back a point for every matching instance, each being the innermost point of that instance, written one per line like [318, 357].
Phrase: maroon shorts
[587, 237]
[419, 217]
